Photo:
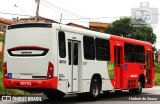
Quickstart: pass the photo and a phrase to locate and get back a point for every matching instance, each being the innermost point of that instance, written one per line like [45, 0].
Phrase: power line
[75, 9]
[15, 14]
[57, 19]
[55, 10]
[61, 12]
[62, 9]
[69, 13]
[89, 18]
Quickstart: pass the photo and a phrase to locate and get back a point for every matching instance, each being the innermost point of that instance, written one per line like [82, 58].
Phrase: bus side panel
[92, 67]
[62, 67]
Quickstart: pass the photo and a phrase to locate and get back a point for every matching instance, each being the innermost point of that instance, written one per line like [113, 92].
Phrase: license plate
[25, 83]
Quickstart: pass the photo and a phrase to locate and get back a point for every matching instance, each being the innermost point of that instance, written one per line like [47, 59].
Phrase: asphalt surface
[112, 98]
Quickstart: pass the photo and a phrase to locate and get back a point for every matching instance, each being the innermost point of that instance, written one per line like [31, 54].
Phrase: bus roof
[81, 31]
[129, 40]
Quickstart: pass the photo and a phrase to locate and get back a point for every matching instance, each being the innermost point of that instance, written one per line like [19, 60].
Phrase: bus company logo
[21, 98]
[144, 14]
[6, 98]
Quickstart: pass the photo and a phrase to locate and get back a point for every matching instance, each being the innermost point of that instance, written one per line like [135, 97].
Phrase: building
[97, 26]
[3, 24]
[77, 25]
[32, 19]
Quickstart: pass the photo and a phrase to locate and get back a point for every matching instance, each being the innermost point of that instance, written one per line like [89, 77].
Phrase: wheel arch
[98, 77]
[142, 79]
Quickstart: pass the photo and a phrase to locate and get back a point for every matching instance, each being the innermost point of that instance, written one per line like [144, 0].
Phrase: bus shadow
[71, 99]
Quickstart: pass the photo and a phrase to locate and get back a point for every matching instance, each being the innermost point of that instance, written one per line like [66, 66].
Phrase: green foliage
[157, 67]
[2, 38]
[157, 73]
[120, 27]
[1, 64]
[125, 28]
[157, 79]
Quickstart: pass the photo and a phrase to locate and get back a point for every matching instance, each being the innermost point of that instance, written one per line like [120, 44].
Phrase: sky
[78, 11]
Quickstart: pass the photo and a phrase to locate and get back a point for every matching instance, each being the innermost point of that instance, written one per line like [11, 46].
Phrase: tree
[123, 27]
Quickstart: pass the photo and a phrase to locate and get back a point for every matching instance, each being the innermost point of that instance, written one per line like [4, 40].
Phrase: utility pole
[37, 10]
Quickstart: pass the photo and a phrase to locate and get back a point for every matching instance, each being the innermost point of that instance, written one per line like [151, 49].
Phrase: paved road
[111, 98]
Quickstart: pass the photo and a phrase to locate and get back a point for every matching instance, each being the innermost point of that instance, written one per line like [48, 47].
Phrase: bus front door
[117, 66]
[73, 57]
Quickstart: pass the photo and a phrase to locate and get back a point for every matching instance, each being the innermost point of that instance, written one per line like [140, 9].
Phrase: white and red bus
[58, 59]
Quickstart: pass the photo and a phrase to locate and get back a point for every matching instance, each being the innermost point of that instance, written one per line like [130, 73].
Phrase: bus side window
[62, 45]
[129, 52]
[89, 48]
[139, 54]
[152, 59]
[148, 59]
[102, 49]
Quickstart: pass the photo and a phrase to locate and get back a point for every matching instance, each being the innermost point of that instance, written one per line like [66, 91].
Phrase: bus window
[69, 52]
[153, 59]
[102, 49]
[89, 48]
[139, 54]
[148, 59]
[75, 56]
[129, 52]
[62, 46]
[117, 54]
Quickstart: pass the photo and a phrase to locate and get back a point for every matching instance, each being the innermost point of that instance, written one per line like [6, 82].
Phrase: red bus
[133, 64]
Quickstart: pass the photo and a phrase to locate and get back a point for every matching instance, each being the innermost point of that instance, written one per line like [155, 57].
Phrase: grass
[157, 79]
[4, 91]
[157, 68]
[157, 73]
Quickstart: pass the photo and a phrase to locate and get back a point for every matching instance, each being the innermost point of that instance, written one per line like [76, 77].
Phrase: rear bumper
[31, 84]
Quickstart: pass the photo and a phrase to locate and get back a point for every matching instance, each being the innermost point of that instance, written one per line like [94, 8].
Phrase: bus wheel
[94, 89]
[139, 89]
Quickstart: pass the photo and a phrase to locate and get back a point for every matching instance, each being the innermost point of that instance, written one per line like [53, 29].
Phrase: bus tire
[139, 89]
[94, 89]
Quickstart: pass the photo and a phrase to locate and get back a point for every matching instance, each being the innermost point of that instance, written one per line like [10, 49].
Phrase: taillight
[5, 70]
[50, 70]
